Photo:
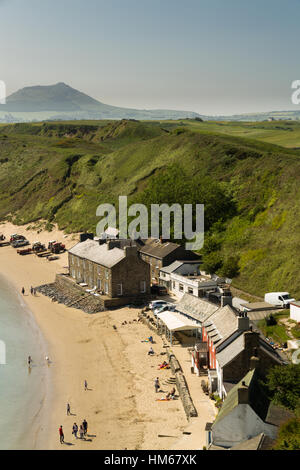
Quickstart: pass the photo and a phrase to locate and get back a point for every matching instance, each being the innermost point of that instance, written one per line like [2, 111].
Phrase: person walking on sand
[68, 409]
[81, 432]
[75, 430]
[61, 435]
[29, 360]
[85, 385]
[23, 291]
[85, 426]
[156, 384]
[31, 290]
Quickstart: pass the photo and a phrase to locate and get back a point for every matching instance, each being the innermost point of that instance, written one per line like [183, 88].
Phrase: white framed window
[106, 287]
[99, 283]
[120, 289]
[106, 274]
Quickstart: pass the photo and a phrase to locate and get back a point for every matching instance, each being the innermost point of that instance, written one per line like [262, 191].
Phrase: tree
[289, 435]
[212, 262]
[283, 383]
[230, 267]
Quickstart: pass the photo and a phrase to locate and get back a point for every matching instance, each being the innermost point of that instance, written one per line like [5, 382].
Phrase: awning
[174, 321]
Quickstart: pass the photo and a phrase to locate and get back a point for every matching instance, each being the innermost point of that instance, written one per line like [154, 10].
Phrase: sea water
[23, 389]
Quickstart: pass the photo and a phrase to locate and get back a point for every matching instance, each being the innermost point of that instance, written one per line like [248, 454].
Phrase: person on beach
[156, 384]
[68, 409]
[85, 426]
[31, 290]
[47, 359]
[23, 291]
[81, 432]
[75, 430]
[171, 394]
[85, 385]
[29, 361]
[150, 352]
[61, 435]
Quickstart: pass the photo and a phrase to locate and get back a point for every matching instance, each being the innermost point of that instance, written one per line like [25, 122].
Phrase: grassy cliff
[61, 171]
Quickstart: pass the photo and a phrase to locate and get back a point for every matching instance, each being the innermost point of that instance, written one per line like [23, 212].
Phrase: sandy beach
[120, 404]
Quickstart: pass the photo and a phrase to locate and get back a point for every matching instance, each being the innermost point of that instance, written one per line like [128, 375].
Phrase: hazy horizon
[214, 58]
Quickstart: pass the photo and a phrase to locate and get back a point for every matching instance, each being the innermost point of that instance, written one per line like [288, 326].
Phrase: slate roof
[259, 442]
[154, 247]
[100, 254]
[231, 351]
[258, 400]
[231, 401]
[221, 324]
[195, 307]
[172, 267]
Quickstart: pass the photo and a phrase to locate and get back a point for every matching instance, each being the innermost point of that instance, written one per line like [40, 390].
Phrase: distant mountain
[292, 115]
[61, 101]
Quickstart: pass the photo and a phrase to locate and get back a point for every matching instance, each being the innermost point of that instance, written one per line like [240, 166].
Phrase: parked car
[15, 237]
[19, 243]
[164, 308]
[157, 303]
[279, 299]
[159, 290]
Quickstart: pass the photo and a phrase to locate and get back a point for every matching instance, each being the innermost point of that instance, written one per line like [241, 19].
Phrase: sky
[215, 57]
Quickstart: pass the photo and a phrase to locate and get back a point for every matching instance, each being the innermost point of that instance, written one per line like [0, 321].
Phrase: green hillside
[61, 171]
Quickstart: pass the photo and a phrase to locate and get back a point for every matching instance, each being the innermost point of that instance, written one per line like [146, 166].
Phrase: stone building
[159, 253]
[111, 267]
[245, 414]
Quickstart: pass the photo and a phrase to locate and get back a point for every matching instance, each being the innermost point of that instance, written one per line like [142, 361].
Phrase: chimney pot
[243, 394]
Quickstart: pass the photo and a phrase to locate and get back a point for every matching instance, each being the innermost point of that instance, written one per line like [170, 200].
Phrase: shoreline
[120, 406]
[28, 412]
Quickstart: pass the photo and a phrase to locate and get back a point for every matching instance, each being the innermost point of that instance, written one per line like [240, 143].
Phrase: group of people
[81, 430]
[30, 360]
[32, 290]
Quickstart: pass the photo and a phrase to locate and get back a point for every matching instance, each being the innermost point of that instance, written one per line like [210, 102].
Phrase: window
[106, 274]
[120, 289]
[106, 287]
[190, 290]
[91, 267]
[99, 283]
[143, 287]
[174, 284]
[73, 273]
[181, 287]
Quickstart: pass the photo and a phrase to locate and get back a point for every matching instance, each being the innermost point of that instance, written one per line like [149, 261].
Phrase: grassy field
[61, 172]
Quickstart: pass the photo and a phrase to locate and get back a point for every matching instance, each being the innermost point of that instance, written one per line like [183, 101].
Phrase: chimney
[130, 250]
[112, 244]
[86, 236]
[226, 300]
[243, 394]
[254, 362]
[243, 323]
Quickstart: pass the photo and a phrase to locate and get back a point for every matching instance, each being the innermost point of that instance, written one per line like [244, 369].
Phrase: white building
[184, 277]
[295, 311]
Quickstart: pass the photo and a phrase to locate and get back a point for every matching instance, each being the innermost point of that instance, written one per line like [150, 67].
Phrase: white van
[279, 299]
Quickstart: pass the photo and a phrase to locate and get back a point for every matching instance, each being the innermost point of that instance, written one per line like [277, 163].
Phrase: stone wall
[182, 387]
